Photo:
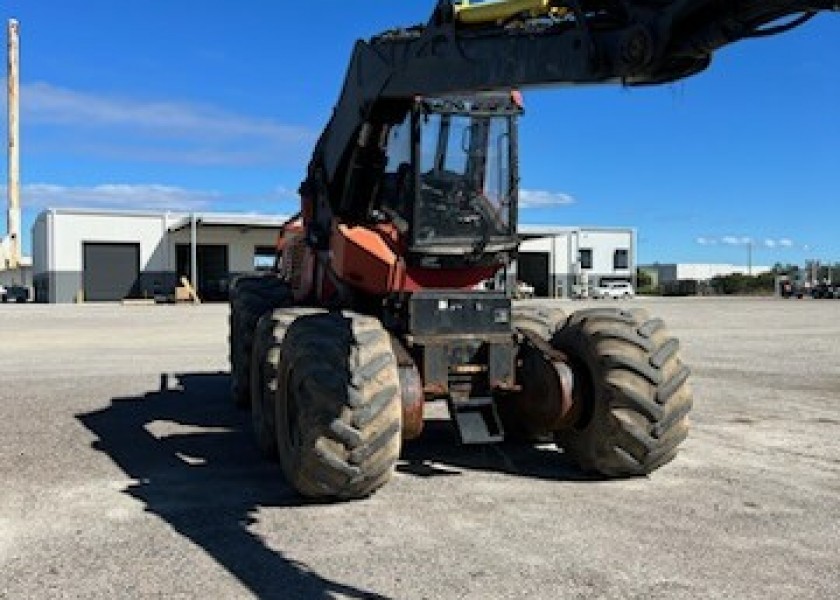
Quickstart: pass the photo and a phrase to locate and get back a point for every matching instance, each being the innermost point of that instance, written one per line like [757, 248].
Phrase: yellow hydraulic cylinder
[494, 11]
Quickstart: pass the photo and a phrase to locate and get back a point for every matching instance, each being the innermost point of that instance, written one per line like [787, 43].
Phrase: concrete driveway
[126, 472]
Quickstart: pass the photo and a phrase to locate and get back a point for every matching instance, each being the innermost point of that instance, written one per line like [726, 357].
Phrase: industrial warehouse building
[95, 255]
[661, 274]
[561, 262]
[90, 255]
[692, 279]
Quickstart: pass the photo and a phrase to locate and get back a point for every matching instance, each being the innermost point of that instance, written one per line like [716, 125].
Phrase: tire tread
[342, 368]
[639, 400]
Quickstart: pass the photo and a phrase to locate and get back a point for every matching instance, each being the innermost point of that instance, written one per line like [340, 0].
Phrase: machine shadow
[195, 466]
[438, 452]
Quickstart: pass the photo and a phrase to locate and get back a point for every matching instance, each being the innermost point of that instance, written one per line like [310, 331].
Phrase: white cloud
[81, 122]
[543, 199]
[730, 240]
[281, 192]
[120, 196]
[740, 240]
[45, 103]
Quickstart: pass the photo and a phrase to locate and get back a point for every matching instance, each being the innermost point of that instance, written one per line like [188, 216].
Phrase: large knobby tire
[633, 391]
[524, 421]
[265, 373]
[338, 406]
[542, 320]
[250, 297]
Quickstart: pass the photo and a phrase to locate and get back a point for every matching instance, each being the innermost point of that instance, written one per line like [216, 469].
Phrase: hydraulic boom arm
[507, 44]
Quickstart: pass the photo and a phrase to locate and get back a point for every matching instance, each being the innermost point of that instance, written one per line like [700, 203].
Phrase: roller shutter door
[532, 267]
[110, 271]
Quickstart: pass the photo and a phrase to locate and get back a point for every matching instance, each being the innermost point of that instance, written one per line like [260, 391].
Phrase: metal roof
[536, 231]
[236, 220]
[108, 212]
[178, 220]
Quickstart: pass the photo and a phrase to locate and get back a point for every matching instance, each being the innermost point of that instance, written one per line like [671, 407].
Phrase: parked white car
[615, 289]
[581, 292]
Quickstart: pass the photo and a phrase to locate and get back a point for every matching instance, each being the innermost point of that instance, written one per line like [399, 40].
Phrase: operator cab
[450, 180]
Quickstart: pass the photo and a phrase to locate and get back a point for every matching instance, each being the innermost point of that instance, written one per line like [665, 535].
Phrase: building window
[264, 258]
[585, 258]
[621, 259]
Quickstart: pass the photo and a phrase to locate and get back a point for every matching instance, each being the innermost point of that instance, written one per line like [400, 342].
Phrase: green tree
[740, 284]
[643, 279]
[645, 283]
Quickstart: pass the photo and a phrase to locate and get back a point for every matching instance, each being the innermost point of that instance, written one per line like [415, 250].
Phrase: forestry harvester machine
[410, 201]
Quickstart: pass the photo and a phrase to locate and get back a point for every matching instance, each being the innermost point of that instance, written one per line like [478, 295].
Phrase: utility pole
[749, 257]
[13, 216]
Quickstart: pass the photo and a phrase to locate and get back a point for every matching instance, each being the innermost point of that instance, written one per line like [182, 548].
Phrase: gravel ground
[127, 473]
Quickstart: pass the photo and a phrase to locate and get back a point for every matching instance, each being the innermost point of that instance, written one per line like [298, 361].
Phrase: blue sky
[215, 105]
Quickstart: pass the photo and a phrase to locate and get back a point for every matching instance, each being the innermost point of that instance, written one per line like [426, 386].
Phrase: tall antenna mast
[14, 146]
